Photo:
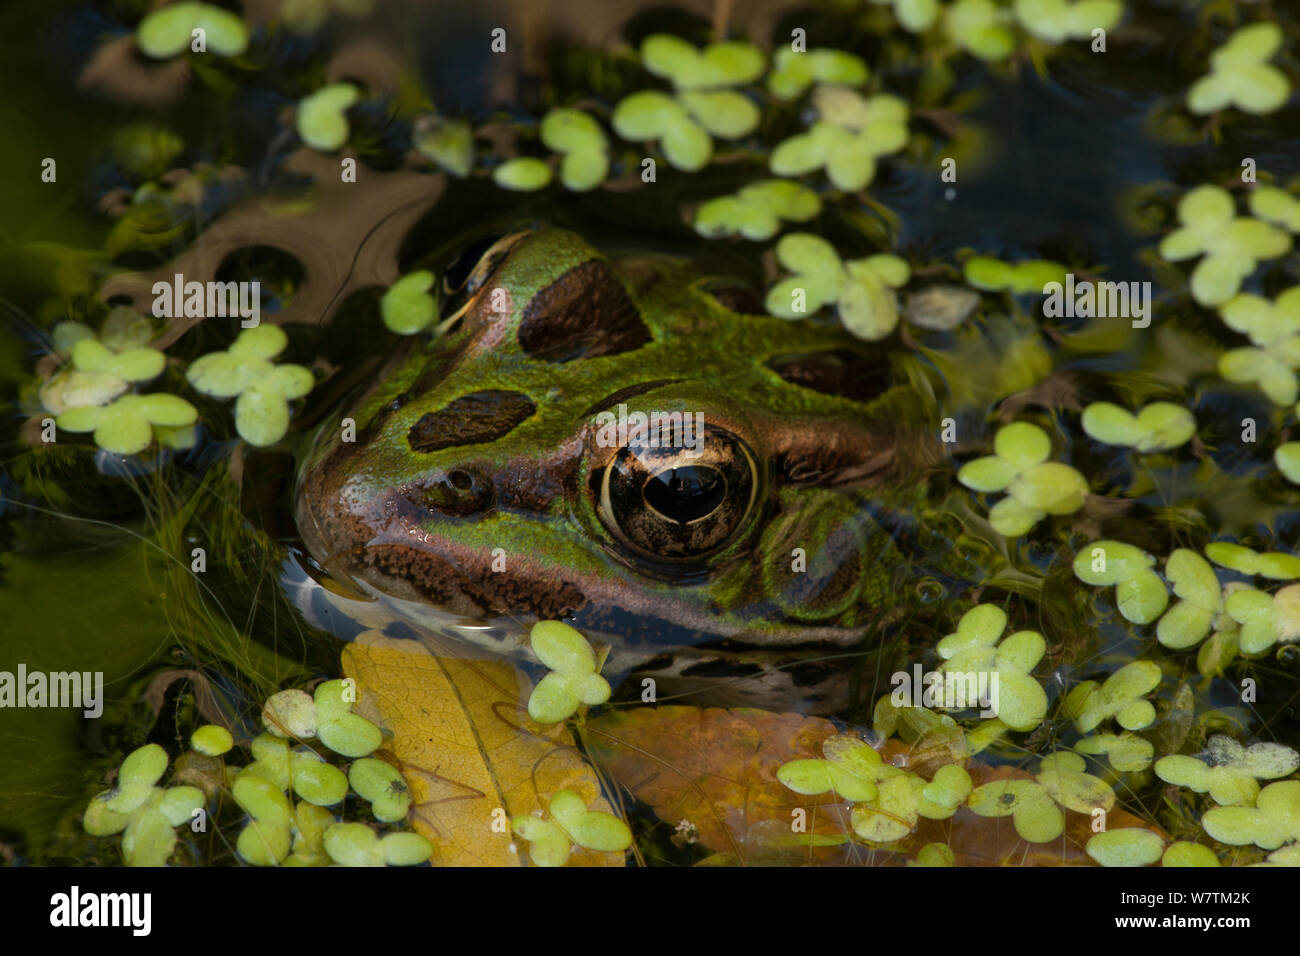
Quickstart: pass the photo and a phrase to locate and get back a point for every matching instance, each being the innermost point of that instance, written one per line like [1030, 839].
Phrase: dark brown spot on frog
[722, 668]
[473, 419]
[623, 394]
[845, 374]
[584, 313]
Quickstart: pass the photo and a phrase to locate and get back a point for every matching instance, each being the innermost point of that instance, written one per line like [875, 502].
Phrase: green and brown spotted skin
[477, 483]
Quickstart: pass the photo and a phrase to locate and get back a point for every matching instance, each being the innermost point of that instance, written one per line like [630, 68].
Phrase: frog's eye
[678, 501]
[471, 268]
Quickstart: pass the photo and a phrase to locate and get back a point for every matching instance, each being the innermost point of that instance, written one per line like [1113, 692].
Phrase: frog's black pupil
[458, 272]
[684, 494]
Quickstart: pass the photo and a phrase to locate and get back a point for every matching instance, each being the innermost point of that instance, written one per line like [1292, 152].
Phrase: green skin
[512, 523]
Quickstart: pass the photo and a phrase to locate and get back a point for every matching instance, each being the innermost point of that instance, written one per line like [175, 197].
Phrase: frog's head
[603, 440]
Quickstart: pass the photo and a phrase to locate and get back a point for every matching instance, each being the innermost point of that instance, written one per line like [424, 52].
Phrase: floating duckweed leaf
[571, 821]
[1266, 323]
[322, 124]
[1121, 697]
[148, 839]
[1276, 206]
[583, 143]
[935, 854]
[1271, 371]
[1036, 487]
[1184, 853]
[264, 842]
[949, 788]
[1265, 619]
[793, 71]
[76, 389]
[853, 133]
[573, 679]
[915, 16]
[1186, 623]
[318, 782]
[448, 142]
[1022, 278]
[350, 735]
[169, 30]
[1020, 702]
[729, 63]
[867, 305]
[212, 740]
[891, 816]
[264, 389]
[178, 804]
[333, 698]
[1287, 459]
[271, 759]
[1127, 846]
[354, 844]
[1062, 776]
[1034, 814]
[1140, 595]
[522, 174]
[407, 306]
[67, 334]
[290, 713]
[1159, 426]
[1228, 771]
[1273, 564]
[1271, 822]
[125, 426]
[723, 113]
[1060, 20]
[132, 365]
[851, 769]
[405, 849]
[1127, 753]
[652, 115]
[383, 786]
[756, 210]
[862, 288]
[979, 27]
[261, 798]
[1231, 245]
[1240, 76]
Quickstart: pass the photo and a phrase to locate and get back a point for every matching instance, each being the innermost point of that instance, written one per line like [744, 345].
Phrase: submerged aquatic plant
[1035, 486]
[862, 289]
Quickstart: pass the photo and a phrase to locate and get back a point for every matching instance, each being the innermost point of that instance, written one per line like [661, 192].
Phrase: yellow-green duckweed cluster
[262, 389]
[570, 823]
[1020, 278]
[145, 814]
[861, 289]
[978, 647]
[757, 210]
[409, 306]
[851, 135]
[169, 30]
[1035, 486]
[1160, 426]
[322, 120]
[574, 679]
[1241, 76]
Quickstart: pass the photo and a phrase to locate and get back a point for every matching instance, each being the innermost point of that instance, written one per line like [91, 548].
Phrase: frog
[621, 440]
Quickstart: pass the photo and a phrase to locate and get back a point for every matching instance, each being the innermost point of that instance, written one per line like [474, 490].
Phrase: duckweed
[1241, 76]
[1271, 822]
[1020, 278]
[862, 289]
[322, 119]
[1265, 619]
[522, 174]
[1186, 623]
[1139, 593]
[853, 133]
[1231, 245]
[1160, 426]
[408, 306]
[1185, 853]
[212, 740]
[573, 680]
[851, 768]
[756, 211]
[1035, 487]
[1059, 20]
[1127, 846]
[384, 786]
[1126, 752]
[1122, 697]
[1021, 703]
[583, 145]
[1273, 564]
[126, 425]
[1287, 459]
[571, 822]
[169, 30]
[793, 71]
[447, 142]
[1276, 206]
[263, 389]
[980, 27]
[1228, 771]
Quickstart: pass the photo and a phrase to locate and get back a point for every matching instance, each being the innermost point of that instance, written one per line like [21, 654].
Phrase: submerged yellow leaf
[463, 740]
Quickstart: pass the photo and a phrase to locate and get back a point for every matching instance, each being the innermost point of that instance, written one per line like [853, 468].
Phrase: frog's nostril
[459, 492]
